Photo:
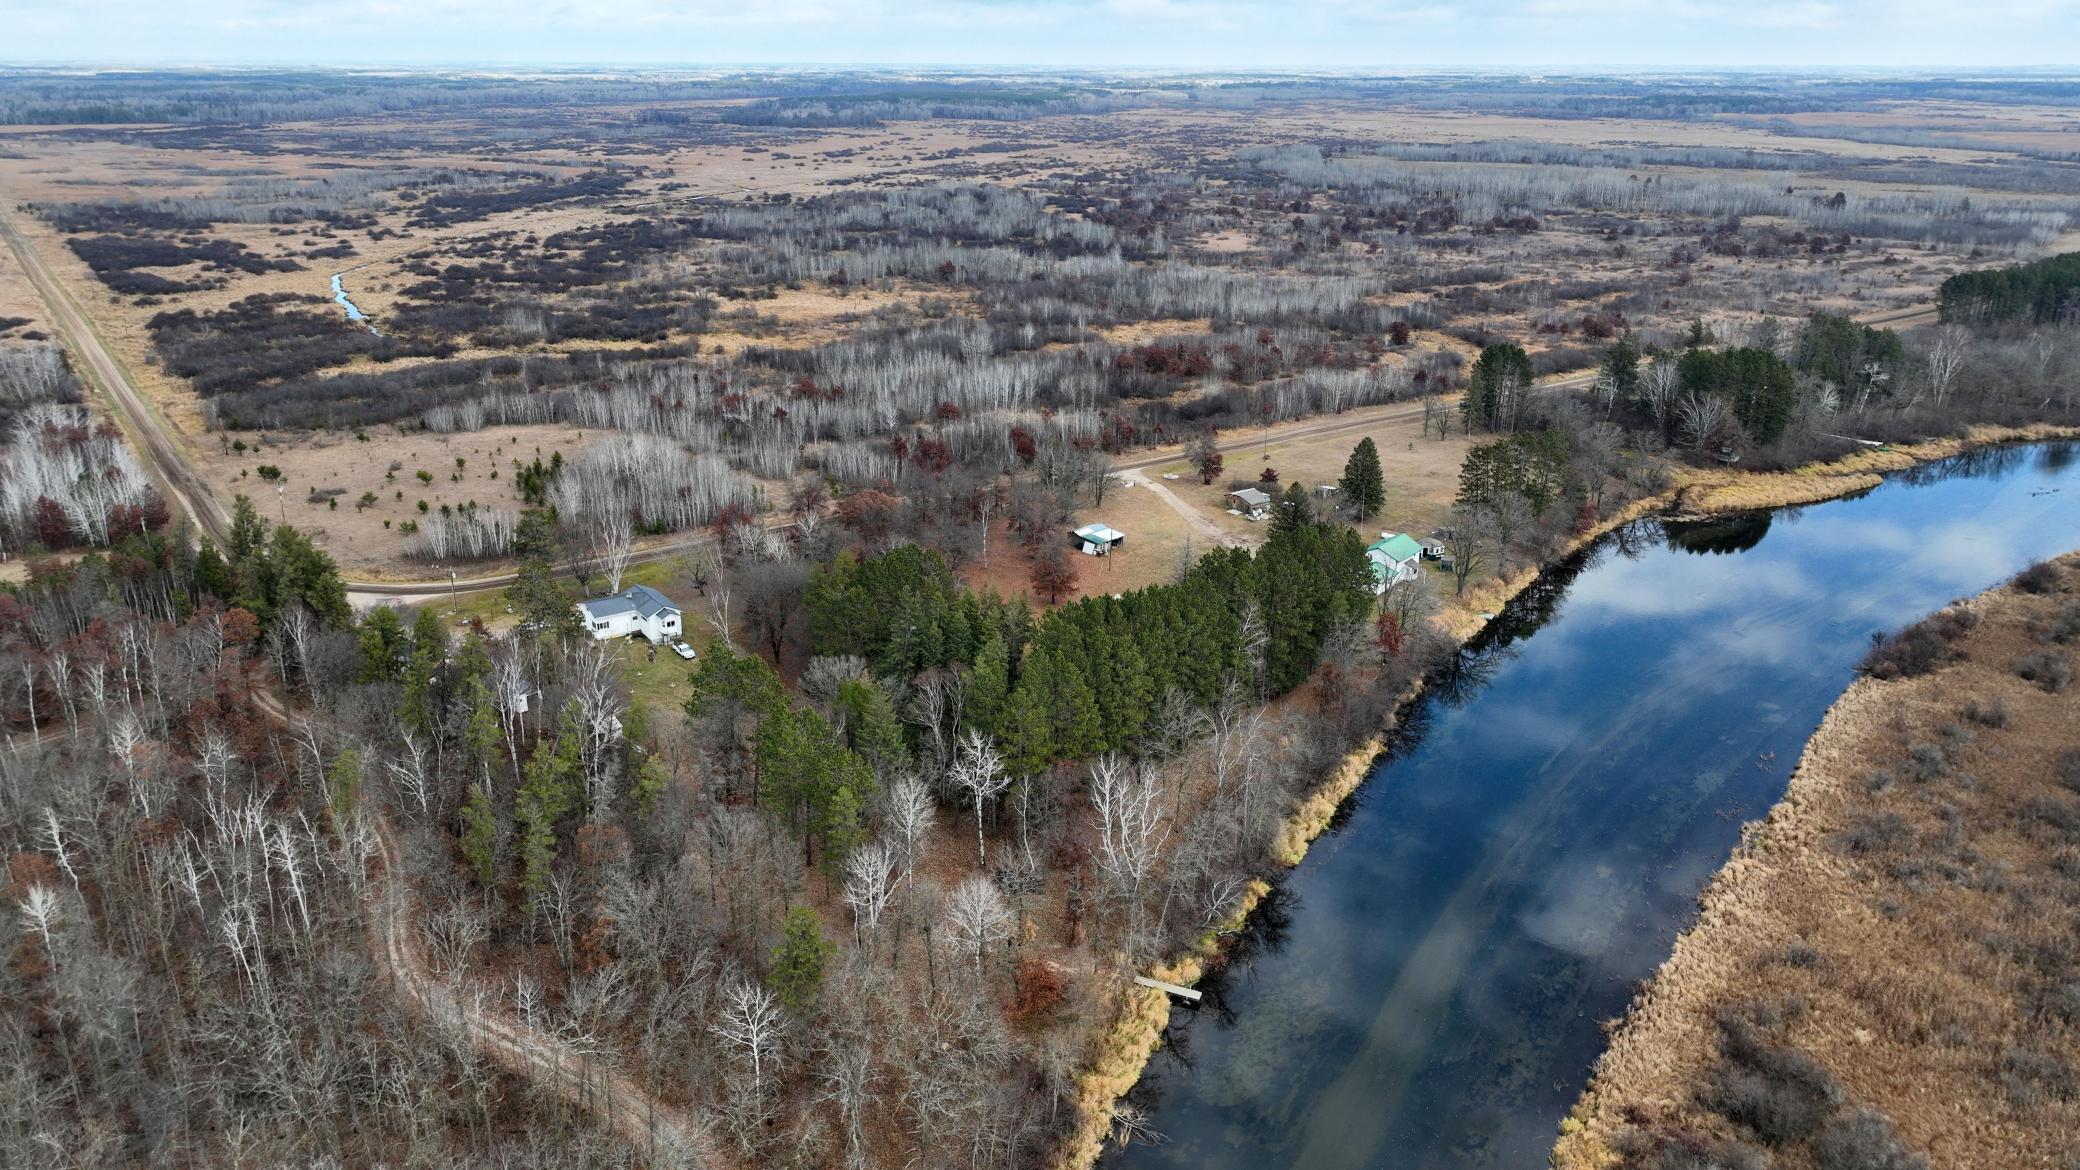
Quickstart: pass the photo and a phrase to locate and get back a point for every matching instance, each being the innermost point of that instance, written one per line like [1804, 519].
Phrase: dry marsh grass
[1714, 491]
[1913, 902]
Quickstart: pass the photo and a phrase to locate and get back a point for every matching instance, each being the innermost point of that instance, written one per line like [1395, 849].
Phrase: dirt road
[142, 426]
[664, 1135]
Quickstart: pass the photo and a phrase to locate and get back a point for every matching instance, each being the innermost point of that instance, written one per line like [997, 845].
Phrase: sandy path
[1192, 516]
[663, 1134]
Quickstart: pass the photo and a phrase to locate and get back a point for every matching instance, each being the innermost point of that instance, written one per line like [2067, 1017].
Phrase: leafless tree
[936, 699]
[1702, 417]
[749, 1024]
[870, 880]
[910, 816]
[845, 1070]
[411, 772]
[613, 541]
[1508, 514]
[978, 770]
[596, 688]
[1606, 390]
[977, 919]
[1466, 542]
[40, 913]
[1410, 601]
[1659, 385]
[772, 595]
[1946, 355]
[1132, 825]
[718, 616]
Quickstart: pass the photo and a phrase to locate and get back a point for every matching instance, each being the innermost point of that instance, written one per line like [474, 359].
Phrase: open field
[517, 271]
[1904, 915]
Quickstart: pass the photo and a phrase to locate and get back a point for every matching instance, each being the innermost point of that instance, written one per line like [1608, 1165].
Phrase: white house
[1395, 557]
[1098, 539]
[637, 609]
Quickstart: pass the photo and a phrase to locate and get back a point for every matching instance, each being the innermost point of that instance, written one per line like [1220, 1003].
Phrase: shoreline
[1665, 1039]
[1123, 1047]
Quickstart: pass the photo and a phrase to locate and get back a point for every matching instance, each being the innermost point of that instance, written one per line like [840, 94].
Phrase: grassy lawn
[660, 685]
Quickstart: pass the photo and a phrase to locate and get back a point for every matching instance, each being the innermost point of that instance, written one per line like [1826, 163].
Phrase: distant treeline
[914, 103]
[205, 97]
[2037, 292]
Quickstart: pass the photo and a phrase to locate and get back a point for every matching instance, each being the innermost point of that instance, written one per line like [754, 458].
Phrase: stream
[354, 313]
[1427, 989]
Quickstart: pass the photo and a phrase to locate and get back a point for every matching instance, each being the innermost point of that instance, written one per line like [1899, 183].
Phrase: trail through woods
[664, 1135]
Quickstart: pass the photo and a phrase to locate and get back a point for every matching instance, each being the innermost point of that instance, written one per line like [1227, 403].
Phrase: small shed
[1433, 548]
[1250, 503]
[1395, 557]
[1096, 540]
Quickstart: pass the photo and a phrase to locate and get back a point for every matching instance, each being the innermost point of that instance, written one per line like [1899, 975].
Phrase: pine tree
[795, 973]
[871, 727]
[989, 685]
[1292, 510]
[650, 782]
[384, 646]
[550, 789]
[480, 837]
[416, 706]
[1503, 371]
[1621, 366]
[1024, 726]
[540, 600]
[1364, 485]
[343, 782]
[813, 781]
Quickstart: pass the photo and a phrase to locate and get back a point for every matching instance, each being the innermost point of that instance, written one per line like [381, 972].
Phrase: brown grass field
[1908, 910]
[49, 166]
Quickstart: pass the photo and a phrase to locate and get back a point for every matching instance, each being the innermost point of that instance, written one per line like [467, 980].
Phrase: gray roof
[637, 599]
[1251, 496]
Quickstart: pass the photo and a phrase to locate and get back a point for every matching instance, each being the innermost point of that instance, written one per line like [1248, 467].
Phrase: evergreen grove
[2034, 293]
[1082, 679]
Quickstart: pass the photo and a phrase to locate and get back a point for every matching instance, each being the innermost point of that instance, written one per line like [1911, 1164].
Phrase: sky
[1813, 35]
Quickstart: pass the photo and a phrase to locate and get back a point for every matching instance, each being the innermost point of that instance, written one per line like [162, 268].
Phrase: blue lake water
[1427, 989]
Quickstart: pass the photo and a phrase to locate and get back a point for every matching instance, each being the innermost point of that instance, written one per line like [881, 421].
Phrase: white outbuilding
[1098, 539]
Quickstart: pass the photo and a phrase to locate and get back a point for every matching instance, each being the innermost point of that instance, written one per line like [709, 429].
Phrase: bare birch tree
[613, 541]
[1946, 357]
[870, 873]
[978, 770]
[910, 817]
[977, 919]
[750, 1025]
[1132, 825]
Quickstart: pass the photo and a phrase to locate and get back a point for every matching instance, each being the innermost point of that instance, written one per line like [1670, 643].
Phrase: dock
[1184, 993]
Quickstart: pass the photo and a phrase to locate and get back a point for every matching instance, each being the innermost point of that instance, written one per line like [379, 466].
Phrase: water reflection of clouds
[1532, 854]
[1669, 586]
[1579, 907]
